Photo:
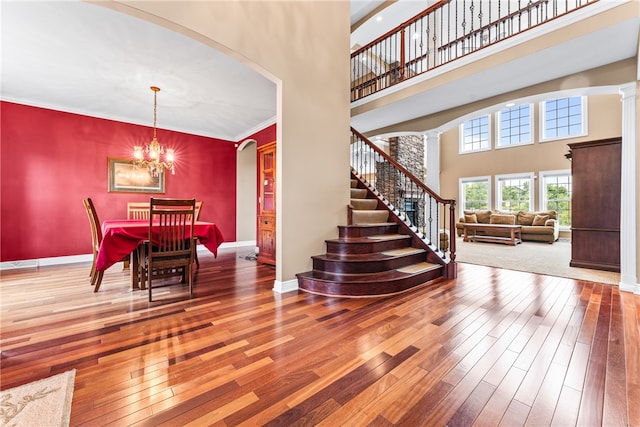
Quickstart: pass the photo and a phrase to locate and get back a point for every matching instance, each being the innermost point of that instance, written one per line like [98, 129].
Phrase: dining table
[123, 237]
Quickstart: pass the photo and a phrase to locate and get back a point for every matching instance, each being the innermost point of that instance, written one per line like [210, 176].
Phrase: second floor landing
[594, 49]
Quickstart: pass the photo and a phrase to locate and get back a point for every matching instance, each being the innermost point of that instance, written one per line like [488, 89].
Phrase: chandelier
[150, 156]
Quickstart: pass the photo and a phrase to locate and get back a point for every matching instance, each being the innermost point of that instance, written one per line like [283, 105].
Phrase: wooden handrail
[402, 26]
[395, 47]
[411, 176]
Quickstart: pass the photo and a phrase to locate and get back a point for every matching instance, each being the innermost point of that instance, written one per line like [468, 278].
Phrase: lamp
[154, 150]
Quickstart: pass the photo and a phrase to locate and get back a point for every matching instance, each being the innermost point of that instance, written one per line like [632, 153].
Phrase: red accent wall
[51, 160]
[264, 136]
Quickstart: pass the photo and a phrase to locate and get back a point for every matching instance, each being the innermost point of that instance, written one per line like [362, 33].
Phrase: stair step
[418, 268]
[358, 193]
[367, 263]
[354, 183]
[369, 216]
[364, 245]
[402, 251]
[363, 230]
[369, 284]
[364, 204]
[387, 236]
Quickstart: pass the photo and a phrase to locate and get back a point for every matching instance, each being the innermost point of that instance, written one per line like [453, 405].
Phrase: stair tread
[378, 224]
[388, 275]
[387, 236]
[368, 257]
[368, 239]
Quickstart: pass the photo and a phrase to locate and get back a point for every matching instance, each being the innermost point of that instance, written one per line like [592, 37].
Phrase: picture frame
[127, 177]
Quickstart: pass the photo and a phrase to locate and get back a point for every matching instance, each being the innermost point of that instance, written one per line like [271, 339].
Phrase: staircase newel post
[452, 270]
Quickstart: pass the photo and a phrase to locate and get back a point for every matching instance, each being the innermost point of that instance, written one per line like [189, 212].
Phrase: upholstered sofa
[541, 226]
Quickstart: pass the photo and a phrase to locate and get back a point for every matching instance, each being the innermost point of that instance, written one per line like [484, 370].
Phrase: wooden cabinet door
[595, 204]
[267, 204]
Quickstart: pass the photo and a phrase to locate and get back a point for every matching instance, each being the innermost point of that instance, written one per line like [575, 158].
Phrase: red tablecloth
[121, 237]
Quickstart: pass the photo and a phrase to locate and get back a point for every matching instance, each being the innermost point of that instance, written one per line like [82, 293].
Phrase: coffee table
[471, 233]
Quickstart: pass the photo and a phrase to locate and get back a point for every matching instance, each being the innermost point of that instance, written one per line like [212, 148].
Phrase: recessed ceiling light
[510, 104]
[378, 18]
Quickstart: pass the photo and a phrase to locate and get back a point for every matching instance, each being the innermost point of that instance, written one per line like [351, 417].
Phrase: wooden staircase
[374, 255]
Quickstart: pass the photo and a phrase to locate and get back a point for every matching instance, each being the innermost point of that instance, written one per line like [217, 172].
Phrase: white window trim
[466, 180]
[585, 125]
[503, 177]
[498, 128]
[461, 136]
[543, 193]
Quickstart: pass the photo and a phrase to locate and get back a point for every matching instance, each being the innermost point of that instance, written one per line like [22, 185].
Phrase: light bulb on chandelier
[153, 150]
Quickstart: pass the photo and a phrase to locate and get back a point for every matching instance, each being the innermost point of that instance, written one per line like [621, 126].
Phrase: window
[555, 191]
[513, 192]
[514, 126]
[475, 135]
[475, 193]
[563, 118]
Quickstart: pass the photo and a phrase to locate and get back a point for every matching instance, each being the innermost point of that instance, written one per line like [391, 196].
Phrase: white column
[628, 206]
[432, 153]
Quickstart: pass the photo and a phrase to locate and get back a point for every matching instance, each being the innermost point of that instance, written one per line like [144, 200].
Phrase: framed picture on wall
[126, 177]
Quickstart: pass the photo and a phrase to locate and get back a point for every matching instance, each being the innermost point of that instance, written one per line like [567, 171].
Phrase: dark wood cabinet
[595, 204]
[267, 204]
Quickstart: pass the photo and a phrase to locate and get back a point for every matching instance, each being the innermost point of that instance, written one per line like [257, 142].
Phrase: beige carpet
[534, 257]
[42, 403]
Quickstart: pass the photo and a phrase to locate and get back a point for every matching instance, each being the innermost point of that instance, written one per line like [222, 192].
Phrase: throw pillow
[502, 219]
[525, 218]
[540, 220]
[471, 219]
[483, 216]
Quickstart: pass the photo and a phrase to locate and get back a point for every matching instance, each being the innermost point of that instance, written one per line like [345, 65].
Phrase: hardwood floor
[493, 347]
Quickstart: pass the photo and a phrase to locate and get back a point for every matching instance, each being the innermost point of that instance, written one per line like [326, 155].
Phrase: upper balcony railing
[448, 30]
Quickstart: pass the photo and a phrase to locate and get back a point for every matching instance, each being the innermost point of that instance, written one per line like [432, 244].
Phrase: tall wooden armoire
[267, 204]
[595, 204]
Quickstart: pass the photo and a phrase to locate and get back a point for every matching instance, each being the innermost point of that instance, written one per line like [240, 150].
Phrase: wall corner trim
[285, 286]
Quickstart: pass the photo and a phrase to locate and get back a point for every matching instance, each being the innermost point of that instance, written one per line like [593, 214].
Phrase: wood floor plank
[500, 400]
[631, 320]
[491, 347]
[615, 409]
[591, 406]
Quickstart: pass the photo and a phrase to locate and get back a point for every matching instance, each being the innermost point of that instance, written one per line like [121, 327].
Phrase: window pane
[476, 195]
[515, 126]
[557, 196]
[476, 134]
[515, 194]
[563, 118]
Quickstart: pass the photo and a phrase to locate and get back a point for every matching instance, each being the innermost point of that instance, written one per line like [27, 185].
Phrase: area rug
[46, 402]
[534, 257]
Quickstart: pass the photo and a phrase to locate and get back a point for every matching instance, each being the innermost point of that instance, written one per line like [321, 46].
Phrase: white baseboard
[233, 244]
[40, 262]
[286, 286]
[630, 287]
[71, 259]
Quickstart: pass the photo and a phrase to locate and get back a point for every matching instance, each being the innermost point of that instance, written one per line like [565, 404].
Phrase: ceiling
[101, 63]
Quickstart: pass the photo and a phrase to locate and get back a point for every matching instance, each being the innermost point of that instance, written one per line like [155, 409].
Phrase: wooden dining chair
[138, 210]
[197, 215]
[198, 209]
[171, 246]
[96, 239]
